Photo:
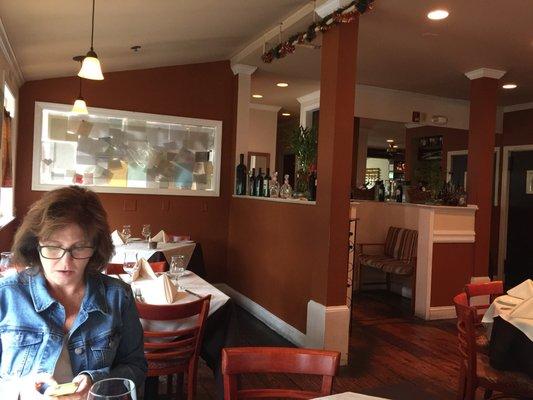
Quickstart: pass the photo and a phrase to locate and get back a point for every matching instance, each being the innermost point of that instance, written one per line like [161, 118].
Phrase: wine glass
[126, 233]
[146, 231]
[177, 269]
[113, 389]
[129, 263]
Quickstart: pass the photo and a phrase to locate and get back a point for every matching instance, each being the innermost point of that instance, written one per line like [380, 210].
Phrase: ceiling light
[395, 146]
[510, 86]
[90, 69]
[79, 107]
[257, 96]
[286, 114]
[438, 14]
[282, 84]
[390, 140]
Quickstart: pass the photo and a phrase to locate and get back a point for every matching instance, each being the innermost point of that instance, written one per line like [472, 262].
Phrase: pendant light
[80, 107]
[90, 68]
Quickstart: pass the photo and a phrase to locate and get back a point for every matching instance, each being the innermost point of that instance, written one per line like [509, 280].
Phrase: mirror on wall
[258, 160]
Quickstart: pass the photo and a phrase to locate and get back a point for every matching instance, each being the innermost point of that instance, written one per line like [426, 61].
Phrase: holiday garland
[342, 15]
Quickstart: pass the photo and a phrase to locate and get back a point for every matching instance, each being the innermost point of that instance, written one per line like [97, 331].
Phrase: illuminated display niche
[116, 151]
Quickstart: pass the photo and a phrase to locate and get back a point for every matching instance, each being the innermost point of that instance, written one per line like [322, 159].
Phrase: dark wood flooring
[392, 354]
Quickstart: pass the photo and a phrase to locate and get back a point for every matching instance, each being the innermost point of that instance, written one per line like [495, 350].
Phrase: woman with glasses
[61, 320]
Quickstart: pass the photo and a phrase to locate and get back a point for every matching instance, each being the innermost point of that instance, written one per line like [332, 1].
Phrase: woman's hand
[84, 384]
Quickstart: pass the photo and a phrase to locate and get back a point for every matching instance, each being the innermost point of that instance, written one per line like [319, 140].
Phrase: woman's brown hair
[57, 209]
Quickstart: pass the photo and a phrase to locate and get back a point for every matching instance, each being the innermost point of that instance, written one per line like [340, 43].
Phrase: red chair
[177, 351]
[492, 289]
[114, 269]
[244, 360]
[475, 370]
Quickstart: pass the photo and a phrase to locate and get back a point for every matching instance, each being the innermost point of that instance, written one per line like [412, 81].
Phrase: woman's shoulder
[14, 281]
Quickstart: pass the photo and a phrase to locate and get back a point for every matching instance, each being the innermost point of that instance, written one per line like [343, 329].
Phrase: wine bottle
[266, 183]
[381, 191]
[399, 192]
[252, 183]
[259, 182]
[241, 178]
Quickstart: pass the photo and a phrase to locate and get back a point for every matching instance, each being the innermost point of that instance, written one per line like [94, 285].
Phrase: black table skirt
[510, 349]
[219, 333]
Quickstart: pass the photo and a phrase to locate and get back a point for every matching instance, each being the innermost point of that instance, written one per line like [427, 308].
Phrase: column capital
[485, 73]
[243, 69]
[330, 6]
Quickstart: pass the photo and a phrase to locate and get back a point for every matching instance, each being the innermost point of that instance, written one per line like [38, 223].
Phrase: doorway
[518, 263]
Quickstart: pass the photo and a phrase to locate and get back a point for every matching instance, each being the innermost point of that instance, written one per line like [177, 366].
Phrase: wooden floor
[392, 354]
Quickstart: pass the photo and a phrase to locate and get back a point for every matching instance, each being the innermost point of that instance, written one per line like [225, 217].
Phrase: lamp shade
[90, 68]
[79, 106]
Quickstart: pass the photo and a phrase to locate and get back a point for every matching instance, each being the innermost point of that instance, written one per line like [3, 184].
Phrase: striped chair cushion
[401, 243]
[386, 264]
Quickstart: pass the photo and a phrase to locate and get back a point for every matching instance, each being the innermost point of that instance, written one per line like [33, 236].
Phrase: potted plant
[304, 143]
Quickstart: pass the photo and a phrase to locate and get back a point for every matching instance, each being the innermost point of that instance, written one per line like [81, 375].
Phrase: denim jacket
[106, 339]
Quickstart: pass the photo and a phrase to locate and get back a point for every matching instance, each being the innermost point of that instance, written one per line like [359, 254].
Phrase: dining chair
[115, 268]
[175, 351]
[491, 289]
[245, 360]
[475, 370]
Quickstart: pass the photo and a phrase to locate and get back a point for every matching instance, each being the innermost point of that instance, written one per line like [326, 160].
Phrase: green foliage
[429, 173]
[304, 143]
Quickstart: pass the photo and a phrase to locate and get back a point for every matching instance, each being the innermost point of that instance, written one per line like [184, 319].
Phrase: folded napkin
[168, 288]
[117, 238]
[523, 290]
[160, 237]
[523, 310]
[143, 270]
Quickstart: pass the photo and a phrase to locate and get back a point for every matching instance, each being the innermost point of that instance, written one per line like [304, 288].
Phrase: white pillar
[244, 73]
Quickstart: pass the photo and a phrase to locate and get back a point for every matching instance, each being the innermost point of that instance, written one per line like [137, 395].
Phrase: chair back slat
[171, 311]
[492, 289]
[466, 320]
[170, 355]
[243, 360]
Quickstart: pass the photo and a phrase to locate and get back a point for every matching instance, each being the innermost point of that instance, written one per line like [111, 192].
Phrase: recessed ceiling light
[257, 96]
[282, 84]
[390, 140]
[395, 146]
[286, 114]
[510, 86]
[438, 14]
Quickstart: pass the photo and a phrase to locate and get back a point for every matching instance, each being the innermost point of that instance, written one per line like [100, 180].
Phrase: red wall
[199, 91]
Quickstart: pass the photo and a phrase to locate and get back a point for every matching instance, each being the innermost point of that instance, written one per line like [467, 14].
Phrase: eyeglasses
[56, 252]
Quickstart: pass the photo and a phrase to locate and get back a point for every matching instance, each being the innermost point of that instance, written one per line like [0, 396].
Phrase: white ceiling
[398, 46]
[379, 131]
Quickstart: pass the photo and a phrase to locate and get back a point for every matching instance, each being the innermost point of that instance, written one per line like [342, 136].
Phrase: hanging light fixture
[90, 68]
[79, 107]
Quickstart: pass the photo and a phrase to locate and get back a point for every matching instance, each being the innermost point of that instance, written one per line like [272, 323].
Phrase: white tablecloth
[141, 250]
[349, 396]
[503, 306]
[189, 281]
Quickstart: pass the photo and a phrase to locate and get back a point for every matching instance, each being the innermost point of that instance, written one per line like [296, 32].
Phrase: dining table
[218, 325]
[509, 326]
[138, 248]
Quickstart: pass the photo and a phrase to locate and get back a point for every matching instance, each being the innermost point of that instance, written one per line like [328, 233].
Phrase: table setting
[509, 325]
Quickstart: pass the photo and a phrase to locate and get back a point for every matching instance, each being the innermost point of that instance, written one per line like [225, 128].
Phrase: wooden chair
[491, 289]
[242, 360]
[114, 269]
[179, 355]
[475, 370]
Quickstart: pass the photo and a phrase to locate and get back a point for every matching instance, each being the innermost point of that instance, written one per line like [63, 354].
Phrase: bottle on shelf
[399, 192]
[259, 182]
[286, 190]
[241, 177]
[253, 188]
[311, 185]
[381, 191]
[266, 183]
[274, 186]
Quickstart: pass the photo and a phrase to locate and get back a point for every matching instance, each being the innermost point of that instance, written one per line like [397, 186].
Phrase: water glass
[113, 389]
[126, 233]
[177, 269]
[146, 231]
[130, 262]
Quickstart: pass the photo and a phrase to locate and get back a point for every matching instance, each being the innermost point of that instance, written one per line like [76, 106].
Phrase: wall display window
[116, 151]
[430, 148]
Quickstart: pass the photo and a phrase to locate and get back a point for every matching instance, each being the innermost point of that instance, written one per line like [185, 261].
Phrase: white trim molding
[9, 55]
[518, 107]
[443, 312]
[504, 209]
[449, 236]
[243, 69]
[330, 6]
[264, 107]
[281, 327]
[485, 73]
